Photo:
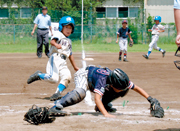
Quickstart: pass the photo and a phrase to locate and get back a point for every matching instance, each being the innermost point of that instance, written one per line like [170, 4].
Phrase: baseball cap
[124, 21]
[44, 8]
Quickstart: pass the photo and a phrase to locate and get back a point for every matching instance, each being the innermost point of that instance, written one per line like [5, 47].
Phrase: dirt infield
[157, 76]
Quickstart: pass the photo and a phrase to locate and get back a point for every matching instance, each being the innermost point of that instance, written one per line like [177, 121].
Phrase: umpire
[43, 22]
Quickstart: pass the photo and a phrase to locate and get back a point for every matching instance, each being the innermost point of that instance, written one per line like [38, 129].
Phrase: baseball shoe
[163, 53]
[34, 77]
[107, 107]
[55, 96]
[48, 55]
[119, 58]
[125, 60]
[40, 55]
[145, 56]
[54, 111]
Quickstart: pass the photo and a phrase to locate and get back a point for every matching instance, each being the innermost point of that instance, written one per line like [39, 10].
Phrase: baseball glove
[130, 43]
[38, 115]
[155, 109]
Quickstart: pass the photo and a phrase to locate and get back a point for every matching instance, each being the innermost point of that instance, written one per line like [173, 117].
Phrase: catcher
[107, 85]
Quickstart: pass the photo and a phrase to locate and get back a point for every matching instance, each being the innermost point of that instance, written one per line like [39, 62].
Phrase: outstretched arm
[101, 106]
[71, 58]
[140, 91]
[155, 109]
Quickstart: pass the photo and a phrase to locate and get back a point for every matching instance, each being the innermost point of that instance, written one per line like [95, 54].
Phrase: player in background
[123, 33]
[177, 20]
[156, 29]
[107, 86]
[57, 67]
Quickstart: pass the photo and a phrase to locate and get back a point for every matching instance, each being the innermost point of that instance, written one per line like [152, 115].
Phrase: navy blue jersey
[97, 79]
[123, 32]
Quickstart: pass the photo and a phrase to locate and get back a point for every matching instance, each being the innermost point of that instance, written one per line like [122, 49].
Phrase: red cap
[124, 21]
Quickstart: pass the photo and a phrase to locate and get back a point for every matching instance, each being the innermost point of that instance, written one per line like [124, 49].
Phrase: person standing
[43, 22]
[123, 33]
[177, 20]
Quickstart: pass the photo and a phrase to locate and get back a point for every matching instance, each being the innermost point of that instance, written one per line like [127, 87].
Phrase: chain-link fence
[97, 28]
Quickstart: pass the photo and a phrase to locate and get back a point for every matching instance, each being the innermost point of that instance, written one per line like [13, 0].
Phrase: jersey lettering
[104, 72]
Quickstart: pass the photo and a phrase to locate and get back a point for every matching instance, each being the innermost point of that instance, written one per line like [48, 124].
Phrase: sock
[149, 52]
[61, 87]
[120, 53]
[42, 75]
[124, 55]
[161, 50]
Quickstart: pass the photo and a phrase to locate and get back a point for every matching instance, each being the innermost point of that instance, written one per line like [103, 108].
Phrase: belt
[154, 34]
[123, 37]
[62, 56]
[43, 28]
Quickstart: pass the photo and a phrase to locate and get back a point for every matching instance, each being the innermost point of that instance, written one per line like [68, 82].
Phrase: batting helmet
[158, 18]
[119, 79]
[66, 20]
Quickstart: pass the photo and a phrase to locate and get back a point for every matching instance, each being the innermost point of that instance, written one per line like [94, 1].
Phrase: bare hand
[149, 29]
[76, 68]
[51, 34]
[116, 41]
[58, 46]
[110, 116]
[178, 40]
[32, 32]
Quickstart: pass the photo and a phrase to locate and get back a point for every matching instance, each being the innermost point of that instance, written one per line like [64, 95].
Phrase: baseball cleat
[125, 60]
[163, 53]
[55, 96]
[48, 55]
[119, 58]
[34, 77]
[54, 111]
[145, 56]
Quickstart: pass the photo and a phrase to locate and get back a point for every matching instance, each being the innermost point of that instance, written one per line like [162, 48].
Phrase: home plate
[88, 59]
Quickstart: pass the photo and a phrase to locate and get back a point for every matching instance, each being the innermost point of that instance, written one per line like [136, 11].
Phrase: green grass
[77, 47]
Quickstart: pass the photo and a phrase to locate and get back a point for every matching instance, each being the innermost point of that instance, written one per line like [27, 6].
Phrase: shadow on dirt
[169, 129]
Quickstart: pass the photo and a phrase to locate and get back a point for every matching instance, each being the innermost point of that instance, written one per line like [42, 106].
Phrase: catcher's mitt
[130, 43]
[155, 109]
[38, 115]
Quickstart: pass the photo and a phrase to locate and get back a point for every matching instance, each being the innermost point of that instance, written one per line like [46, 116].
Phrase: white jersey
[155, 29]
[66, 48]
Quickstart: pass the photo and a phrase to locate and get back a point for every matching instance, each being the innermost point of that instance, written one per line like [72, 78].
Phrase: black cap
[44, 8]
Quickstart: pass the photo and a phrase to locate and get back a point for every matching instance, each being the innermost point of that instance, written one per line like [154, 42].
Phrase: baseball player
[59, 51]
[123, 33]
[107, 85]
[156, 29]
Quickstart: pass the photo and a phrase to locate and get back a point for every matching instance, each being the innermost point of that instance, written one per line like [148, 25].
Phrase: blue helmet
[66, 20]
[158, 18]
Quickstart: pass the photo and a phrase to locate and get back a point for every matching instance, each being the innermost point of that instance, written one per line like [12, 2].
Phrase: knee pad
[71, 98]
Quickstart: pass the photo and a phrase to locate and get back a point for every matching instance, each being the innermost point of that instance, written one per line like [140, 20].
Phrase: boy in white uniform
[156, 29]
[61, 48]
